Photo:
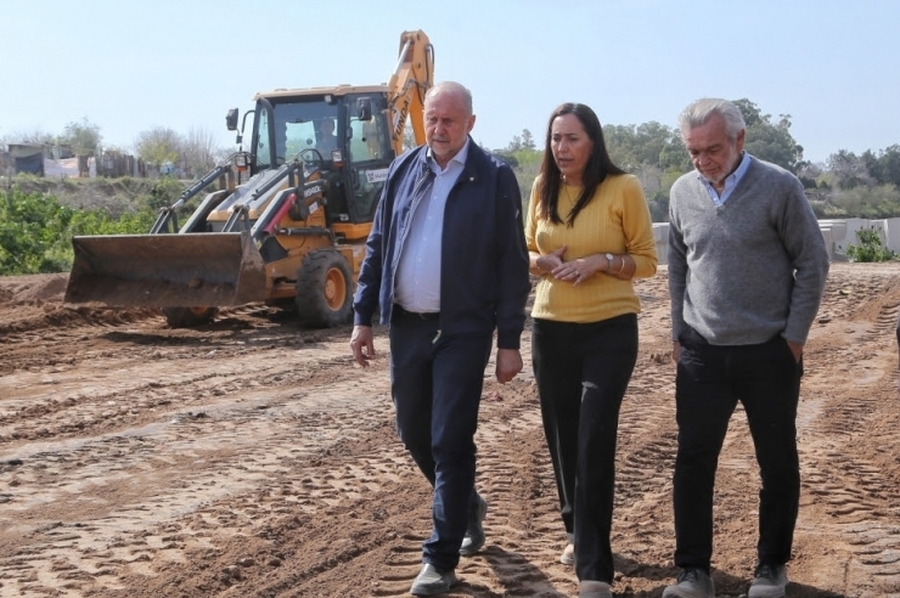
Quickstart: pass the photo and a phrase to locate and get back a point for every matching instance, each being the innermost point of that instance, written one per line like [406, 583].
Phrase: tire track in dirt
[74, 386]
[240, 407]
[523, 528]
[853, 491]
[251, 458]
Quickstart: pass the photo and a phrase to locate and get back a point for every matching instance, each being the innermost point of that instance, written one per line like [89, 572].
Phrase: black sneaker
[692, 583]
[432, 581]
[769, 581]
[474, 539]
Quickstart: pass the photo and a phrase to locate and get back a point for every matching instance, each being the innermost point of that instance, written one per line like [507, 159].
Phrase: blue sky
[129, 66]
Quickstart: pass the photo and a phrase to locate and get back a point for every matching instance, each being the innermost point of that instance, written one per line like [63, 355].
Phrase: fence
[41, 161]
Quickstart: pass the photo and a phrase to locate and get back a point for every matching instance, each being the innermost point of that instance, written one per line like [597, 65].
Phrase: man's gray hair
[699, 112]
[454, 88]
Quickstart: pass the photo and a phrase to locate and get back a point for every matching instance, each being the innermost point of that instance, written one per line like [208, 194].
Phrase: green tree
[159, 145]
[889, 159]
[84, 138]
[648, 144]
[872, 165]
[527, 140]
[770, 141]
[621, 142]
[653, 140]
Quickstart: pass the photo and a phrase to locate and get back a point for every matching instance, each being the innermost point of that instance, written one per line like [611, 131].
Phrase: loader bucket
[167, 270]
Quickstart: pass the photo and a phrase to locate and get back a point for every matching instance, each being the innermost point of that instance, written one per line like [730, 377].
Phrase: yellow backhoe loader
[288, 220]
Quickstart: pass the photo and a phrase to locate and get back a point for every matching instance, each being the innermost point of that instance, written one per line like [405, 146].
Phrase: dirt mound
[33, 288]
[35, 302]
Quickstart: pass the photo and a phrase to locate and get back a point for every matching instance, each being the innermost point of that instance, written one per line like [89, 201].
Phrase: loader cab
[288, 130]
[291, 125]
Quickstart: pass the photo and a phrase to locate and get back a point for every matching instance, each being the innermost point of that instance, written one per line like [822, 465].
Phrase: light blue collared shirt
[417, 286]
[731, 181]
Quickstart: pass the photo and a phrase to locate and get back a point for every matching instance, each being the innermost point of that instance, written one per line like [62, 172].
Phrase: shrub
[30, 242]
[870, 248]
[36, 231]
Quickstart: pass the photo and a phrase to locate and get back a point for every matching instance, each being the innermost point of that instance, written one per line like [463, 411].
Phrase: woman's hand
[547, 263]
[576, 271]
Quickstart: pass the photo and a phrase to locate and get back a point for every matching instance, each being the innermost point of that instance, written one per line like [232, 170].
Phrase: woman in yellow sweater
[589, 234]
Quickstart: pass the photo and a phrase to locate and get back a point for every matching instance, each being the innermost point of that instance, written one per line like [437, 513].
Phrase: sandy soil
[253, 458]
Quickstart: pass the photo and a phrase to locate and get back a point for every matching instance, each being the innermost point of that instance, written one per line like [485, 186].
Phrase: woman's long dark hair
[598, 166]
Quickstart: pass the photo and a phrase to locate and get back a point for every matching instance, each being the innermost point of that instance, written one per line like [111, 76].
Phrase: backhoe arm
[412, 78]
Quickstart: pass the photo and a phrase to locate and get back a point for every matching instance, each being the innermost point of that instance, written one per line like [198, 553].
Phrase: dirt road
[252, 458]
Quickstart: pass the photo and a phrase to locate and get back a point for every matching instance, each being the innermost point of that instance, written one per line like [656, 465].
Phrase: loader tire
[324, 290]
[188, 317]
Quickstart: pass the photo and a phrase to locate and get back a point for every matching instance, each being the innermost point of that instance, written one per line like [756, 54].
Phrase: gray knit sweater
[752, 268]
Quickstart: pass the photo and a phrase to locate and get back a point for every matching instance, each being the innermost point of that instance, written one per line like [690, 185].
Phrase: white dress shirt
[417, 284]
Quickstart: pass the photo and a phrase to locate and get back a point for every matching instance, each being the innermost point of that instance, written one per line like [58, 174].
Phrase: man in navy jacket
[446, 266]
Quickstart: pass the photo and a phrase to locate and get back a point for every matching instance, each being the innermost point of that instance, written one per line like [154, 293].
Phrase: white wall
[838, 234]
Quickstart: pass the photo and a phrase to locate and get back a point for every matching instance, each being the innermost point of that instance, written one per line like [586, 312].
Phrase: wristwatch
[610, 258]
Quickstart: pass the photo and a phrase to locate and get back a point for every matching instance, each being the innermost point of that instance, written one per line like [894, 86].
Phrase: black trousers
[709, 382]
[898, 332]
[582, 372]
[436, 384]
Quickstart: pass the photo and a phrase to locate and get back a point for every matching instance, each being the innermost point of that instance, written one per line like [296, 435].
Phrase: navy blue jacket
[484, 258]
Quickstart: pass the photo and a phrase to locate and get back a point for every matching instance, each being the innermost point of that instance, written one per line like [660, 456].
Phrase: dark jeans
[436, 383]
[710, 380]
[582, 372]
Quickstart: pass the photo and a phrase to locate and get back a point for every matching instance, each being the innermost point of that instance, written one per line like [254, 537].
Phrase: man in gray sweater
[747, 265]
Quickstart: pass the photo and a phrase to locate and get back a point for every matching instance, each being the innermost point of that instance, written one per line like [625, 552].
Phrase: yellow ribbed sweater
[616, 220]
